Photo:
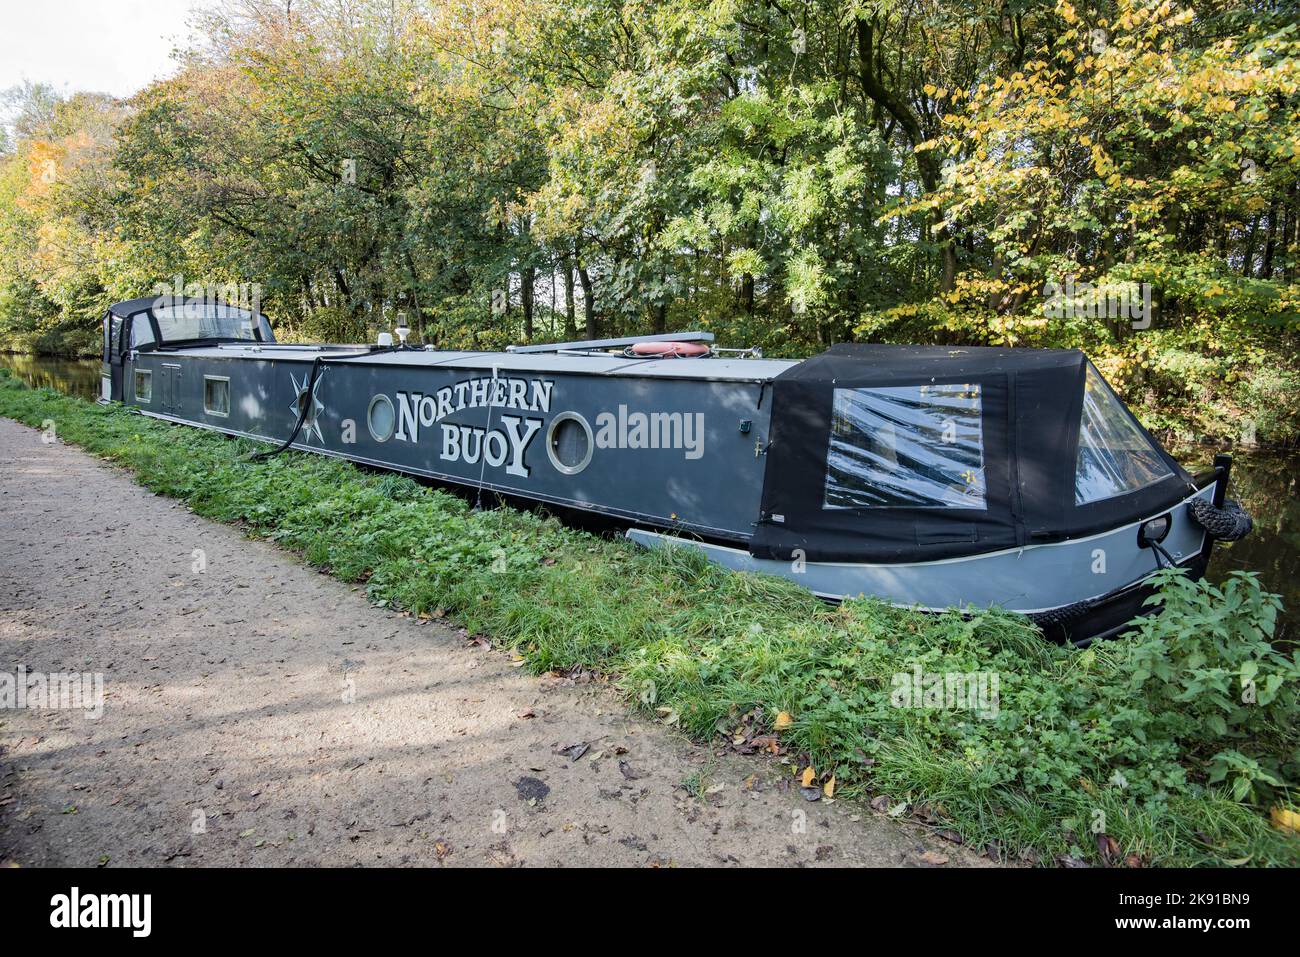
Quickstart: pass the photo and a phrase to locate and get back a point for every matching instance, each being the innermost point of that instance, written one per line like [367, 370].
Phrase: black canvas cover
[884, 453]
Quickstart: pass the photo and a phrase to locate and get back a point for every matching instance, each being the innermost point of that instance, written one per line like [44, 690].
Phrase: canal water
[79, 377]
[1267, 483]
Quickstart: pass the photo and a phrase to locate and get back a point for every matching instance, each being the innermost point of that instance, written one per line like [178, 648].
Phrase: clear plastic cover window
[1114, 456]
[916, 446]
[206, 321]
[141, 332]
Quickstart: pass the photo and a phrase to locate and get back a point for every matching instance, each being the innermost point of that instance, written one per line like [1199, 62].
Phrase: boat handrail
[591, 346]
[289, 346]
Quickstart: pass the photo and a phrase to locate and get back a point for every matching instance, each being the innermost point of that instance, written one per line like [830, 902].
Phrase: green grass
[1144, 739]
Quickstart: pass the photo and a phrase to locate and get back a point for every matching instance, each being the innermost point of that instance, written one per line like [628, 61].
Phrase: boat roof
[839, 362]
[133, 307]
[708, 369]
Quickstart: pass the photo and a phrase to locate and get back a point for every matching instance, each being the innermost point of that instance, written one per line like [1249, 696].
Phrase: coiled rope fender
[1225, 524]
[1061, 616]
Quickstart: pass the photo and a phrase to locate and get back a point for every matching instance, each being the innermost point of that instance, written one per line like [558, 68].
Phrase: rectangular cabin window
[143, 385]
[913, 446]
[216, 395]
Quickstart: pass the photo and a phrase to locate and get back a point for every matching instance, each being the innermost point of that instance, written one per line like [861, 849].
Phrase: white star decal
[311, 425]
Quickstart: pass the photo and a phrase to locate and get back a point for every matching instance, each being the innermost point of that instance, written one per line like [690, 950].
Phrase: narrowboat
[929, 476]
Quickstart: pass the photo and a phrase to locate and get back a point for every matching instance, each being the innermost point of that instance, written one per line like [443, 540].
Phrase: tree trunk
[570, 320]
[526, 278]
[926, 162]
[588, 302]
[1270, 237]
[659, 318]
[1248, 250]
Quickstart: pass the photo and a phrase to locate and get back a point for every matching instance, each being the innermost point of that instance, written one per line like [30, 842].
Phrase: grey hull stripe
[1035, 578]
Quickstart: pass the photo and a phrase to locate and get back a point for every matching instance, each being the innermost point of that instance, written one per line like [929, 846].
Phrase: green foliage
[785, 175]
[1205, 665]
[1174, 742]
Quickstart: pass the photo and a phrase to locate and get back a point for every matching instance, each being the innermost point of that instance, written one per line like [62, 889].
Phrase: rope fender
[1226, 524]
[1063, 615]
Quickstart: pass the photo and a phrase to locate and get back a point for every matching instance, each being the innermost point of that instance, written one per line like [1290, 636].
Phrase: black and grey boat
[928, 476]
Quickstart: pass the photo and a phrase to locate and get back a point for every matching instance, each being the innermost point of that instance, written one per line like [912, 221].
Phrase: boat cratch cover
[907, 453]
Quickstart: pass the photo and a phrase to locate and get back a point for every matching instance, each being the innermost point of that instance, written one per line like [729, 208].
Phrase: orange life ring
[670, 349]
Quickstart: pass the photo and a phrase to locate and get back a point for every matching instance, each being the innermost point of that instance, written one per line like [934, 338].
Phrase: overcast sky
[108, 46]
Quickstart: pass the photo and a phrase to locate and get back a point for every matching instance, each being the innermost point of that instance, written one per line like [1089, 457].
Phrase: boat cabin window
[112, 338]
[200, 320]
[143, 385]
[141, 332]
[1114, 455]
[216, 395]
[915, 446]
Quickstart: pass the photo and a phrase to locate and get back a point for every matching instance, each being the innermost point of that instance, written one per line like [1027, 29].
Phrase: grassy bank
[1143, 749]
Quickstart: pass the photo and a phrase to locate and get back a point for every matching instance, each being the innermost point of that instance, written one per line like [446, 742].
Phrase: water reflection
[79, 377]
[1265, 482]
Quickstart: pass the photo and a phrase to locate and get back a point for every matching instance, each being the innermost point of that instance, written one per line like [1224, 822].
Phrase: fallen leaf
[1108, 848]
[1285, 819]
[808, 777]
[933, 858]
[829, 787]
[783, 720]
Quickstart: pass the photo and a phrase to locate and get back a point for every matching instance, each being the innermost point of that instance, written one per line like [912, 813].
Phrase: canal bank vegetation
[1121, 176]
[1171, 747]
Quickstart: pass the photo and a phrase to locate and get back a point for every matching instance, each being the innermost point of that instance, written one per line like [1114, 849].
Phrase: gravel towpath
[256, 712]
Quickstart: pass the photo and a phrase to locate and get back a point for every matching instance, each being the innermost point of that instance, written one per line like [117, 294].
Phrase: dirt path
[258, 713]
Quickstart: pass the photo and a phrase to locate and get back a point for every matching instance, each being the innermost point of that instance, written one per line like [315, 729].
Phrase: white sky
[107, 46]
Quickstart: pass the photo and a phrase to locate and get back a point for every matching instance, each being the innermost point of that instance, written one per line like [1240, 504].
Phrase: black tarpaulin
[907, 453]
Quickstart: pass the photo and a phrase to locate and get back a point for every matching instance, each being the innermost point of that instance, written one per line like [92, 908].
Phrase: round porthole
[569, 443]
[380, 418]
